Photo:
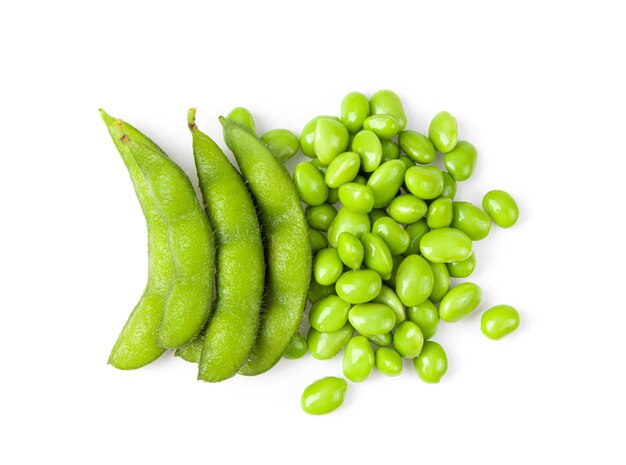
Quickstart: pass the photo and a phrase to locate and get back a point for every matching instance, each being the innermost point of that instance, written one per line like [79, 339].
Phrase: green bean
[348, 221]
[356, 197]
[324, 346]
[380, 339]
[377, 256]
[416, 231]
[343, 169]
[499, 321]
[307, 136]
[322, 168]
[414, 280]
[333, 195]
[394, 235]
[407, 208]
[367, 145]
[432, 362]
[360, 179]
[310, 183]
[323, 396]
[288, 250]
[391, 150]
[320, 217]
[354, 109]
[331, 139]
[443, 132]
[359, 286]
[388, 361]
[460, 301]
[426, 316]
[371, 319]
[329, 314]
[384, 126]
[417, 147]
[358, 359]
[387, 102]
[318, 240]
[408, 339]
[407, 161]
[350, 250]
[441, 283]
[297, 347]
[230, 336]
[449, 186]
[462, 268]
[446, 245]
[425, 182]
[243, 117]
[440, 213]
[397, 260]
[461, 161]
[317, 291]
[282, 143]
[501, 207]
[375, 214]
[327, 266]
[471, 220]
[386, 182]
[388, 297]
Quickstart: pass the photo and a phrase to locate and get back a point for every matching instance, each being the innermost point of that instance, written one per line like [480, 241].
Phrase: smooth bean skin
[331, 139]
[348, 221]
[440, 213]
[416, 231]
[499, 321]
[327, 266]
[297, 347]
[391, 150]
[425, 182]
[388, 297]
[388, 361]
[318, 240]
[359, 286]
[350, 250]
[371, 319]
[449, 186]
[426, 316]
[446, 245]
[375, 214]
[282, 143]
[356, 197]
[441, 284]
[443, 132]
[355, 108]
[501, 207]
[460, 301]
[243, 117]
[324, 346]
[377, 256]
[417, 147]
[333, 195]
[406, 160]
[407, 208]
[408, 339]
[324, 395]
[342, 169]
[391, 282]
[329, 314]
[414, 280]
[432, 362]
[380, 340]
[360, 179]
[386, 181]
[384, 126]
[463, 268]
[461, 161]
[317, 291]
[387, 102]
[367, 145]
[307, 136]
[471, 220]
[319, 165]
[310, 184]
[358, 359]
[320, 217]
[394, 235]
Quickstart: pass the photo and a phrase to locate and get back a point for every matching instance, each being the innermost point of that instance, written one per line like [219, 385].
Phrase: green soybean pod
[443, 132]
[446, 245]
[350, 250]
[388, 297]
[425, 182]
[460, 301]
[407, 208]
[327, 266]
[324, 346]
[358, 359]
[386, 181]
[391, 150]
[282, 143]
[343, 169]
[297, 347]
[380, 340]
[394, 235]
[348, 221]
[441, 283]
[414, 280]
[377, 256]
[331, 139]
[461, 161]
[288, 251]
[355, 108]
[310, 184]
[359, 286]
[356, 197]
[317, 291]
[367, 145]
[432, 362]
[375, 214]
[462, 268]
[426, 316]
[192, 351]
[408, 339]
[440, 213]
[230, 336]
[416, 231]
[471, 220]
[499, 321]
[307, 136]
[370, 319]
[320, 217]
[449, 186]
[501, 207]
[384, 126]
[323, 396]
[417, 147]
[388, 361]
[318, 240]
[329, 314]
[387, 102]
[243, 117]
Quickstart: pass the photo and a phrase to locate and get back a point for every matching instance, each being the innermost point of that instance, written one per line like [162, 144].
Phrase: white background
[538, 87]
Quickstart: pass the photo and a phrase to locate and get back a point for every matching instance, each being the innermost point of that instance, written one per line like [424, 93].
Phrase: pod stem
[191, 119]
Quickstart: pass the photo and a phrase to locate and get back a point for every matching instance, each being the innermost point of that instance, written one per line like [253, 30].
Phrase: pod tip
[223, 120]
[191, 118]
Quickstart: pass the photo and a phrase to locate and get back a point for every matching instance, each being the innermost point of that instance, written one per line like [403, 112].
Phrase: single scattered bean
[426, 316]
[407, 208]
[432, 362]
[425, 182]
[387, 102]
[359, 286]
[282, 143]
[384, 126]
[327, 266]
[320, 217]
[377, 256]
[501, 207]
[416, 231]
[417, 147]
[462, 268]
[443, 132]
[324, 395]
[329, 314]
[358, 359]
[388, 361]
[350, 250]
[297, 347]
[367, 145]
[446, 245]
[394, 235]
[356, 197]
[371, 319]
[348, 221]
[243, 117]
[499, 321]
[386, 182]
[310, 183]
[343, 169]
[324, 346]
[461, 161]
[460, 301]
[307, 136]
[408, 339]
[414, 280]
[440, 213]
[471, 220]
[355, 108]
[331, 139]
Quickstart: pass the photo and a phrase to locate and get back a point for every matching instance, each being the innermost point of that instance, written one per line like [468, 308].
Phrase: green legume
[440, 213]
[192, 351]
[356, 197]
[307, 136]
[425, 182]
[323, 396]
[441, 283]
[348, 221]
[391, 150]
[243, 117]
[417, 147]
[360, 179]
[449, 186]
[367, 145]
[282, 143]
[297, 347]
[408, 339]
[354, 109]
[414, 280]
[432, 363]
[358, 359]
[406, 160]
[380, 339]
[384, 126]
[499, 321]
[377, 256]
[331, 139]
[376, 214]
[387, 102]
[386, 182]
[343, 169]
[416, 231]
[359, 286]
[388, 361]
[350, 250]
[391, 282]
[317, 291]
[394, 235]
[329, 314]
[310, 183]
[461, 161]
[446, 245]
[319, 166]
[318, 240]
[320, 217]
[443, 132]
[327, 266]
[471, 220]
[407, 208]
[333, 195]
[324, 346]
[462, 268]
[388, 297]
[370, 319]
[460, 301]
[501, 207]
[426, 316]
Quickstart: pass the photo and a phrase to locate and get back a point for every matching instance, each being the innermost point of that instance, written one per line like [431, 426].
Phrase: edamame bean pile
[368, 230]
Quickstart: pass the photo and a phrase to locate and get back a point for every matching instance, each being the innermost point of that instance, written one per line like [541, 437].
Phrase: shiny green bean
[359, 286]
[394, 235]
[358, 359]
[350, 250]
[320, 217]
[443, 132]
[501, 207]
[426, 316]
[460, 301]
[414, 280]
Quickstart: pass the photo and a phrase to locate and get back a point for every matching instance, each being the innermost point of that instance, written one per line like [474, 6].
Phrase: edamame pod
[192, 351]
